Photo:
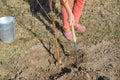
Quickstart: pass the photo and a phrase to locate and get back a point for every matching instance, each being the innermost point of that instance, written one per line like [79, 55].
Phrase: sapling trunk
[52, 19]
[53, 16]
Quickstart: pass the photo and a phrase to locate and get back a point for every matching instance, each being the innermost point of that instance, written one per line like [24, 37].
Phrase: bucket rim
[4, 19]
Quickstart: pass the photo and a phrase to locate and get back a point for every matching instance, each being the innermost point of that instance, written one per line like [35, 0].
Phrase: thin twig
[44, 10]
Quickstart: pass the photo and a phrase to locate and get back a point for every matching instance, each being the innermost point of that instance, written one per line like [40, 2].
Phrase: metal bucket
[7, 29]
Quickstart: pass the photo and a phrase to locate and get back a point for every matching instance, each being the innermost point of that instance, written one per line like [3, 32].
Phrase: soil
[32, 55]
[100, 61]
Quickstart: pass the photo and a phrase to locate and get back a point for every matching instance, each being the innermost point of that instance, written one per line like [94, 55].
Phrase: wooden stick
[74, 36]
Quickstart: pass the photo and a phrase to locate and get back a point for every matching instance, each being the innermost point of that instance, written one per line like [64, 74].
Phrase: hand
[71, 20]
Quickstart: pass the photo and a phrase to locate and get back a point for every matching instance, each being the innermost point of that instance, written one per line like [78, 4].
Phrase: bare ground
[31, 55]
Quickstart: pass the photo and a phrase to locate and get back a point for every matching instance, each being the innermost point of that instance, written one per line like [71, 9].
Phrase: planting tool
[75, 42]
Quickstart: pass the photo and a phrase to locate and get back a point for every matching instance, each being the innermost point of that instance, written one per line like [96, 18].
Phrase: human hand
[71, 20]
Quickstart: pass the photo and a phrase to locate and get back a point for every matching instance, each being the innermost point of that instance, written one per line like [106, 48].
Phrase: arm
[66, 5]
[69, 11]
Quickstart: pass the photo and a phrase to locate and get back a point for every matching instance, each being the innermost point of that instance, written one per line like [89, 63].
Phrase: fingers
[71, 20]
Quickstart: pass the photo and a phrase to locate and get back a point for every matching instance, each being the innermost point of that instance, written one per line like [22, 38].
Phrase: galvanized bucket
[7, 29]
